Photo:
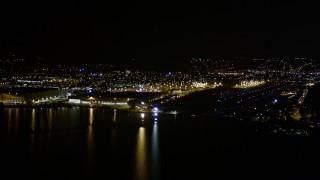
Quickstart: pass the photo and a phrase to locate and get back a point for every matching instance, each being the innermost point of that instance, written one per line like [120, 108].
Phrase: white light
[142, 115]
[155, 109]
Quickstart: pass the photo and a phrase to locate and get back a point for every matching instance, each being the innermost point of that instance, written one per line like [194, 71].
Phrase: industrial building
[32, 96]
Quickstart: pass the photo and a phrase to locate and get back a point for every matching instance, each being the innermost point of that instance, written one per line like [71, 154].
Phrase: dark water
[95, 143]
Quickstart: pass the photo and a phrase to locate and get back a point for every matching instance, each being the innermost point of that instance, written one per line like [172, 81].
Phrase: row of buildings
[46, 96]
[32, 96]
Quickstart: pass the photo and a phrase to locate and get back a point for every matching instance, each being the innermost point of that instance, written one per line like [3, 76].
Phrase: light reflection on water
[52, 131]
[141, 163]
[12, 118]
[155, 161]
[114, 119]
[90, 147]
[50, 119]
[16, 122]
[9, 120]
[91, 116]
[46, 120]
[33, 120]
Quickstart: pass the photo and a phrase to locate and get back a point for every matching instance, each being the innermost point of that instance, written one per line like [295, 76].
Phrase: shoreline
[63, 105]
[60, 105]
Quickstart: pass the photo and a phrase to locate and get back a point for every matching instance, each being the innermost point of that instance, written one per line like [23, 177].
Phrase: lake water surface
[98, 143]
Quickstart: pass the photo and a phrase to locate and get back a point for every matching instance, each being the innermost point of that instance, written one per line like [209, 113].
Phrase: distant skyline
[158, 32]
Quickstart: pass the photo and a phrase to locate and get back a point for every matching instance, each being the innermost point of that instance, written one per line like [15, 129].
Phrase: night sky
[158, 31]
